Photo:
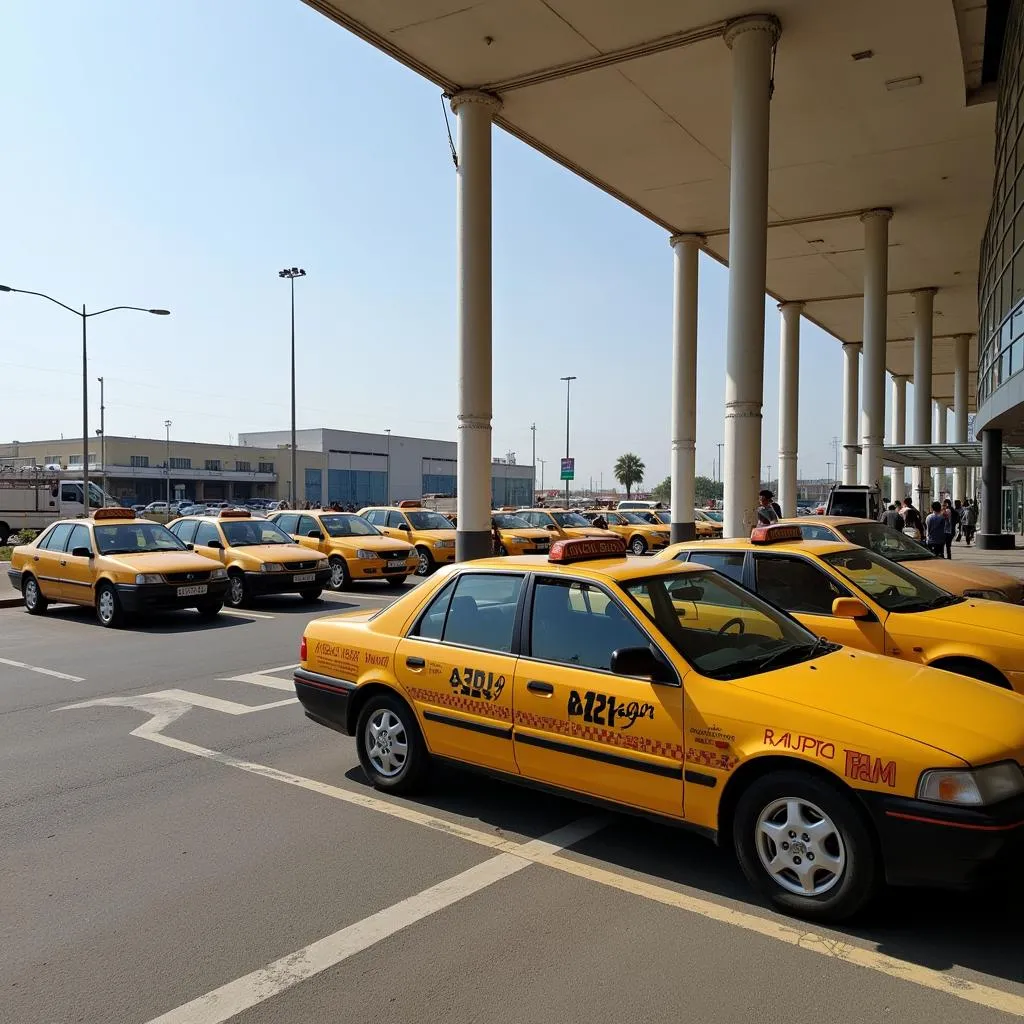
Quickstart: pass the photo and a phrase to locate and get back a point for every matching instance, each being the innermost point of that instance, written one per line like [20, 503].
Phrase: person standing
[892, 518]
[947, 515]
[768, 511]
[935, 530]
[970, 520]
[958, 519]
[912, 525]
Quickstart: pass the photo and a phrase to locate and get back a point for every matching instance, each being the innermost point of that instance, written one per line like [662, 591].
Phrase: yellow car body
[117, 564]
[260, 558]
[355, 549]
[429, 532]
[561, 524]
[639, 534]
[956, 576]
[706, 525]
[626, 682]
[517, 537]
[853, 596]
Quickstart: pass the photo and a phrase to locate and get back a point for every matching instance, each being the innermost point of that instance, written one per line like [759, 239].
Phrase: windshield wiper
[943, 601]
[788, 654]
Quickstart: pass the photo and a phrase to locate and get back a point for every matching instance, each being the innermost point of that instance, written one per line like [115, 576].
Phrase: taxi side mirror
[552, 526]
[404, 526]
[314, 533]
[640, 661]
[216, 544]
[81, 553]
[850, 608]
[190, 547]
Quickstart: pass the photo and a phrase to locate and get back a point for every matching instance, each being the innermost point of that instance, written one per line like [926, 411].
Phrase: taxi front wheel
[237, 592]
[391, 749]
[425, 566]
[801, 841]
[108, 606]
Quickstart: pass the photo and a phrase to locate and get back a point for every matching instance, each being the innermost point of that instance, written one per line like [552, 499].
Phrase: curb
[10, 602]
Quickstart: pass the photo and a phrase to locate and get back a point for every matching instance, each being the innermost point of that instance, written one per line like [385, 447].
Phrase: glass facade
[1001, 275]
[510, 490]
[359, 487]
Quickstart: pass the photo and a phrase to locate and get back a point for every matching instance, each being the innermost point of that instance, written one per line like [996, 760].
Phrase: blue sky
[179, 154]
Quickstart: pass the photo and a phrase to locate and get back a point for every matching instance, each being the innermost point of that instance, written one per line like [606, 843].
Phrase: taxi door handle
[535, 686]
[414, 663]
[63, 561]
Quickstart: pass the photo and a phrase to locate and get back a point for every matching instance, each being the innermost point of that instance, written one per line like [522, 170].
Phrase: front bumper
[442, 555]
[260, 583]
[324, 698]
[927, 844]
[375, 569]
[142, 597]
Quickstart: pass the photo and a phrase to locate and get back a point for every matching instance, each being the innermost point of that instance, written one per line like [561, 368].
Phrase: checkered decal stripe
[712, 759]
[471, 705]
[597, 734]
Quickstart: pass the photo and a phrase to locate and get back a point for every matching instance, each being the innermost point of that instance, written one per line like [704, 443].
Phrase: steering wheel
[734, 622]
[892, 591]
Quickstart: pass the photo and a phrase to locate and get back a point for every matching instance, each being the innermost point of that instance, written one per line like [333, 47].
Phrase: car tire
[401, 765]
[108, 607]
[209, 609]
[638, 546]
[311, 595]
[396, 581]
[35, 603]
[340, 578]
[426, 562]
[237, 592]
[783, 809]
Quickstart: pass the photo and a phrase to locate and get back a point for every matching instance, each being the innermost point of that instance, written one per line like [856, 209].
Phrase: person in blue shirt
[935, 530]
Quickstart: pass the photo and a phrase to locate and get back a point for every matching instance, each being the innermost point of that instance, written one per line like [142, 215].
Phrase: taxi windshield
[429, 521]
[508, 522]
[896, 589]
[134, 538]
[885, 541]
[570, 519]
[241, 533]
[348, 526]
[649, 517]
[721, 629]
[634, 517]
[713, 514]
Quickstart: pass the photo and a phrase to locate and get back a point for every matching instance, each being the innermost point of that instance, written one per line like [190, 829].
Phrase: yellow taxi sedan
[517, 537]
[429, 532]
[260, 558]
[561, 523]
[640, 535]
[118, 564]
[856, 597]
[355, 549]
[829, 771]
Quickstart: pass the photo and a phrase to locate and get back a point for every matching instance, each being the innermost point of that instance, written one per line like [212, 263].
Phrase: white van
[650, 505]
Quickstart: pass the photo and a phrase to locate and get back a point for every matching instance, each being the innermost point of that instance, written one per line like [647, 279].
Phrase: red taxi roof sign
[113, 513]
[410, 503]
[235, 513]
[774, 534]
[584, 549]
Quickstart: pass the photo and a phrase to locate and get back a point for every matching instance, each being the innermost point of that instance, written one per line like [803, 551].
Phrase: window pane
[729, 563]
[186, 530]
[206, 533]
[431, 625]
[483, 611]
[288, 522]
[58, 538]
[796, 585]
[80, 538]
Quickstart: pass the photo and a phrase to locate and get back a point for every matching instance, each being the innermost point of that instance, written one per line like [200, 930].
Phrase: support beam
[990, 530]
[789, 400]
[752, 41]
[961, 371]
[686, 249]
[876, 281]
[851, 371]
[474, 111]
[898, 488]
[924, 302]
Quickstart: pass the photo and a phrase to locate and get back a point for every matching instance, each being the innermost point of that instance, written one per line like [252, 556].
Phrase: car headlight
[271, 567]
[521, 540]
[323, 564]
[219, 574]
[976, 787]
[149, 577]
[987, 595]
[366, 553]
[444, 543]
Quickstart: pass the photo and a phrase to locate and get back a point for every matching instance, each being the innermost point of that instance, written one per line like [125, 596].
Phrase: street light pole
[533, 462]
[167, 425]
[568, 381]
[543, 463]
[85, 368]
[103, 440]
[291, 273]
[387, 475]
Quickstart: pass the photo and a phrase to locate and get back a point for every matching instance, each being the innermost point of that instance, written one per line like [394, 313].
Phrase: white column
[924, 300]
[851, 368]
[751, 40]
[899, 434]
[961, 369]
[876, 294]
[939, 473]
[684, 384]
[474, 111]
[789, 400]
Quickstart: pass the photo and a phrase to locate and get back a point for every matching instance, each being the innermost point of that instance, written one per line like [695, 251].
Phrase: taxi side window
[80, 538]
[57, 538]
[796, 585]
[375, 516]
[728, 563]
[206, 533]
[185, 531]
[396, 520]
[307, 524]
[431, 624]
[483, 611]
[288, 522]
[816, 533]
[577, 624]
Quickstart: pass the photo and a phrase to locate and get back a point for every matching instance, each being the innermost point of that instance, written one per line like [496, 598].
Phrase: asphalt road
[183, 846]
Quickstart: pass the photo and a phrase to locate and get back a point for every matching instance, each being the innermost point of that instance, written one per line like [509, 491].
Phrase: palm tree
[629, 470]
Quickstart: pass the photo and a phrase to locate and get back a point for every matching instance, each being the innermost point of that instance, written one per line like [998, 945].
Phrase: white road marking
[41, 671]
[160, 704]
[260, 679]
[244, 615]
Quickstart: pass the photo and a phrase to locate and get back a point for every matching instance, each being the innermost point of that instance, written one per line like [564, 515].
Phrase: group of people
[947, 521]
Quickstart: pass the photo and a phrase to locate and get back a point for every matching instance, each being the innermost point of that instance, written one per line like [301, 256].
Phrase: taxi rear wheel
[35, 603]
[340, 578]
[108, 607]
[639, 546]
[426, 563]
[391, 749]
[802, 842]
[236, 595]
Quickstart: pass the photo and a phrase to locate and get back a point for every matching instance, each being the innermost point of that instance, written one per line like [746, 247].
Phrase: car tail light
[302, 650]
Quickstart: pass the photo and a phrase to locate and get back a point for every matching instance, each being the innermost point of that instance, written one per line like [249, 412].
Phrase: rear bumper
[141, 597]
[324, 698]
[14, 575]
[260, 583]
[928, 844]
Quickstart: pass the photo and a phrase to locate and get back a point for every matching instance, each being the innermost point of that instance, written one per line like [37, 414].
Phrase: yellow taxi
[957, 577]
[629, 682]
[259, 556]
[118, 564]
[561, 523]
[708, 523]
[429, 532]
[515, 536]
[640, 535]
[355, 549]
[857, 597]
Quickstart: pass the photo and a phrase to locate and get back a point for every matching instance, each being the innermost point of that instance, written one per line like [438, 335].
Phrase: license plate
[195, 591]
[305, 577]
[396, 563]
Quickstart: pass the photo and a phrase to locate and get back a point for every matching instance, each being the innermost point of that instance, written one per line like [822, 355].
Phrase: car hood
[435, 534]
[966, 618]
[164, 561]
[369, 543]
[530, 532]
[285, 553]
[974, 721]
[958, 576]
[584, 531]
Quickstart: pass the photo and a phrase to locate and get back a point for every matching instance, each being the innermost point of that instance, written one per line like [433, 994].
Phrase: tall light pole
[291, 273]
[720, 446]
[543, 463]
[167, 425]
[103, 440]
[387, 475]
[85, 369]
[568, 381]
[533, 460]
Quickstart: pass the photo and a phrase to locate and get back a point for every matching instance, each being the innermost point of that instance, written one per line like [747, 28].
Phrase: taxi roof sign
[774, 534]
[113, 513]
[235, 513]
[584, 549]
[410, 503]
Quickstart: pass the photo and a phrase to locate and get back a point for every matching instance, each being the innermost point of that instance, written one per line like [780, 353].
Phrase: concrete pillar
[684, 384]
[851, 367]
[876, 292]
[924, 300]
[961, 369]
[990, 527]
[897, 474]
[473, 111]
[751, 40]
[789, 399]
[939, 472]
